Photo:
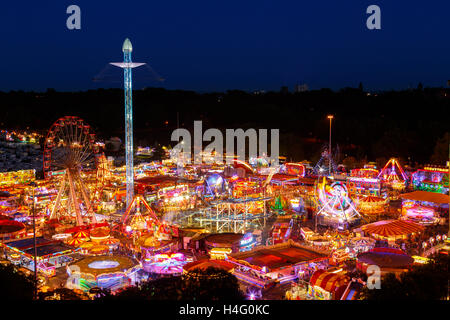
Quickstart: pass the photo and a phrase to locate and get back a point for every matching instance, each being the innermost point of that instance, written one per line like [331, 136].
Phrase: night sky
[218, 45]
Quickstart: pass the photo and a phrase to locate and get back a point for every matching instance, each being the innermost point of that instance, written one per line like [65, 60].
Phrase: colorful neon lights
[335, 202]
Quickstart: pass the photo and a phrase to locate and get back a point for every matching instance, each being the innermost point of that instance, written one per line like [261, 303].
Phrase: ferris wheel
[70, 153]
[335, 203]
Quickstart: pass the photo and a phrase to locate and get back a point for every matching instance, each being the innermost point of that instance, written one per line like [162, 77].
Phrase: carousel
[371, 206]
[392, 230]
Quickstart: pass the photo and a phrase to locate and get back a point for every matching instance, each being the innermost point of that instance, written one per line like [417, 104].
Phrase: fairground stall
[325, 285]
[365, 182]
[425, 207]
[168, 193]
[106, 272]
[51, 254]
[431, 178]
[280, 263]
[235, 242]
[17, 177]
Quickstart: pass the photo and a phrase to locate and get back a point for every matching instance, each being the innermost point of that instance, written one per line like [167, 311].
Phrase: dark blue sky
[208, 45]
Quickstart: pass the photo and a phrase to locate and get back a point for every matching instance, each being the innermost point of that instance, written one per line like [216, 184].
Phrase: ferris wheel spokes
[70, 147]
[335, 202]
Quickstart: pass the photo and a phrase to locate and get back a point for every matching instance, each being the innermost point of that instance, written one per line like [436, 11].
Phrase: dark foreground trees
[15, 285]
[63, 294]
[198, 285]
[425, 282]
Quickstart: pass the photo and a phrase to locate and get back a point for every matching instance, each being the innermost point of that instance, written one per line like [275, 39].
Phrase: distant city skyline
[208, 46]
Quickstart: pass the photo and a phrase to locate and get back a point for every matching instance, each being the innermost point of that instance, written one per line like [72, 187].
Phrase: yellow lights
[219, 253]
[421, 260]
[17, 177]
[24, 137]
[14, 256]
[436, 169]
[330, 116]
[221, 250]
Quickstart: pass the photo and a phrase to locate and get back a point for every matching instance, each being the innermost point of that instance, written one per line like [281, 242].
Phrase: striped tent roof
[426, 196]
[389, 228]
[110, 241]
[363, 241]
[328, 281]
[75, 242]
[372, 199]
[339, 236]
[81, 235]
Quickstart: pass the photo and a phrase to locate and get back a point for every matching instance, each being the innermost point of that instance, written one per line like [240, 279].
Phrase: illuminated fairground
[93, 220]
[211, 151]
[286, 228]
[283, 227]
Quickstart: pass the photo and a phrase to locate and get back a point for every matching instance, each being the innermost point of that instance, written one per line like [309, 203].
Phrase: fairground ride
[70, 153]
[336, 209]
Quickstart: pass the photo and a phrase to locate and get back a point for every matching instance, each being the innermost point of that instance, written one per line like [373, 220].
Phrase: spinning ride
[134, 221]
[327, 161]
[419, 214]
[70, 152]
[335, 206]
[215, 186]
[165, 263]
[393, 174]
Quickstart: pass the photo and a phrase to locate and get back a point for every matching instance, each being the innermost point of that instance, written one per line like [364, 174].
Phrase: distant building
[301, 87]
[284, 89]
[259, 92]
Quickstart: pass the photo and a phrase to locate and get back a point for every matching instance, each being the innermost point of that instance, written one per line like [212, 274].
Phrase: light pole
[33, 185]
[329, 146]
[317, 209]
[127, 65]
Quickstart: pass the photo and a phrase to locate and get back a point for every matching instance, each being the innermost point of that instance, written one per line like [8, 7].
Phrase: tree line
[406, 124]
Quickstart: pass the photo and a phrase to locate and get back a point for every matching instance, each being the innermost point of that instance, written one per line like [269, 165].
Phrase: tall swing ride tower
[127, 65]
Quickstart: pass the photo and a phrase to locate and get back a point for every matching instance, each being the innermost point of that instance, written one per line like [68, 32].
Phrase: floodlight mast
[127, 65]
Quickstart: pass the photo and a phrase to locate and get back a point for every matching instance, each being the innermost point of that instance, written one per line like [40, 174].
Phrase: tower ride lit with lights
[127, 65]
